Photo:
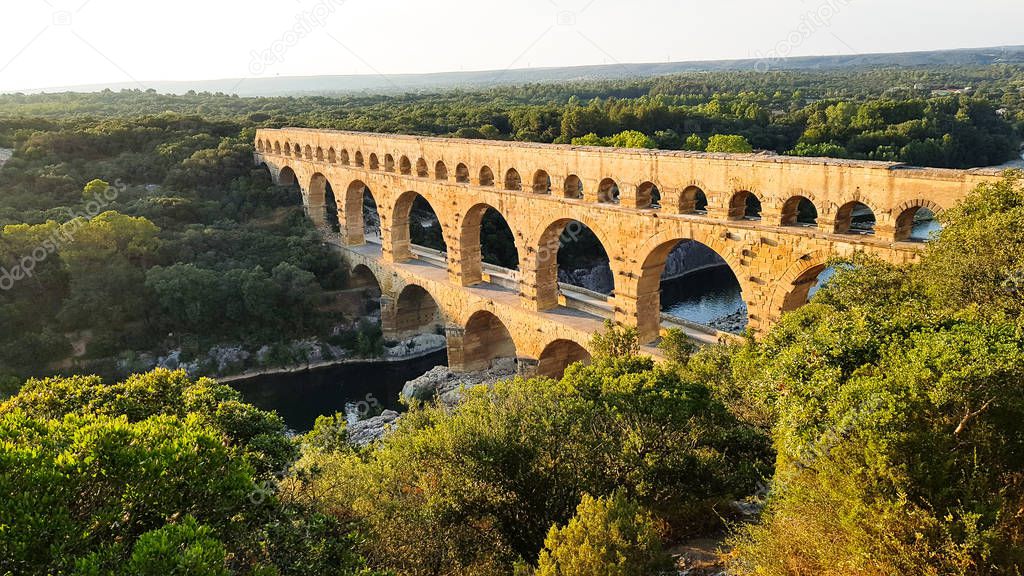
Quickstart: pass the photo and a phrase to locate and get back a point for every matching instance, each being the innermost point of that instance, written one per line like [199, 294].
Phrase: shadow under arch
[416, 312]
[698, 266]
[362, 278]
[558, 355]
[485, 340]
[286, 177]
[486, 237]
[414, 221]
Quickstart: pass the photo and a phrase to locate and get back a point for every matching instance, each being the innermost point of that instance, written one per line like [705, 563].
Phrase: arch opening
[308, 152]
[287, 149]
[415, 223]
[608, 191]
[421, 168]
[541, 182]
[571, 262]
[799, 211]
[363, 281]
[319, 154]
[744, 205]
[486, 238]
[440, 171]
[648, 196]
[344, 157]
[374, 162]
[558, 355]
[286, 178]
[277, 147]
[486, 342]
[405, 166]
[512, 180]
[362, 220]
[486, 176]
[573, 187]
[332, 155]
[359, 159]
[389, 163]
[692, 284]
[855, 218]
[416, 312]
[917, 224]
[462, 174]
[693, 200]
[322, 205]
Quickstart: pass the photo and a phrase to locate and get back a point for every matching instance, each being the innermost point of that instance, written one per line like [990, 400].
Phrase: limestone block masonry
[639, 203]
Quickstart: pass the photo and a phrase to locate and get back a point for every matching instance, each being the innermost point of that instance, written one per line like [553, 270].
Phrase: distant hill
[328, 85]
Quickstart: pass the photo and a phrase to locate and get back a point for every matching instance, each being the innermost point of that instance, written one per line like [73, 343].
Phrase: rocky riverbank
[439, 383]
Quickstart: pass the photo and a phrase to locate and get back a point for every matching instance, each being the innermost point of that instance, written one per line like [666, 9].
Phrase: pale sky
[67, 42]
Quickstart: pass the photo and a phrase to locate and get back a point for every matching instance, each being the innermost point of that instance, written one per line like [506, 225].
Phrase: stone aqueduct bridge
[539, 189]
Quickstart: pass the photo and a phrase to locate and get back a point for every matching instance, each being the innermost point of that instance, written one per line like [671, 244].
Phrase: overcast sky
[65, 42]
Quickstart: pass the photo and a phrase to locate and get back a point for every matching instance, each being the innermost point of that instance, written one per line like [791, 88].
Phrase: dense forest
[187, 217]
[877, 430]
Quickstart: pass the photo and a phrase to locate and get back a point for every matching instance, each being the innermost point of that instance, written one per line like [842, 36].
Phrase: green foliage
[94, 189]
[974, 265]
[155, 475]
[472, 491]
[185, 548]
[677, 346]
[329, 434]
[89, 485]
[609, 536]
[893, 400]
[728, 143]
[616, 341]
[625, 139]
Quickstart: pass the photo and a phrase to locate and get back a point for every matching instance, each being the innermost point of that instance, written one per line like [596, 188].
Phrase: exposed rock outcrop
[362, 433]
[447, 386]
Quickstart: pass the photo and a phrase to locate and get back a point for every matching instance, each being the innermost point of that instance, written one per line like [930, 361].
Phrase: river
[366, 387]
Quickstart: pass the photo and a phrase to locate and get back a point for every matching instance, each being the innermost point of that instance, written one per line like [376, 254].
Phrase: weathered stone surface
[446, 385]
[774, 260]
[363, 432]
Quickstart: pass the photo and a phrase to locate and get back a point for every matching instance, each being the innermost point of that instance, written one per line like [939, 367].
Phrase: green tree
[728, 143]
[95, 189]
[609, 536]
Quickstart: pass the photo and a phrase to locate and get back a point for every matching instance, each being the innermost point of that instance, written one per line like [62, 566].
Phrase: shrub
[609, 536]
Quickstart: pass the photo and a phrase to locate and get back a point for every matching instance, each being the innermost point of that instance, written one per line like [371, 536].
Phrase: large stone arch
[286, 176]
[467, 258]
[400, 244]
[317, 200]
[792, 287]
[904, 216]
[485, 339]
[645, 288]
[539, 267]
[840, 217]
[352, 222]
[558, 355]
[415, 311]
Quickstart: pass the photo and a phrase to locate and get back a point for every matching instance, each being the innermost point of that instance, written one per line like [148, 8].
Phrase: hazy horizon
[65, 43]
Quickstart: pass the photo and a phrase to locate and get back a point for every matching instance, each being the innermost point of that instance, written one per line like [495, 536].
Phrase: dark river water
[702, 296]
[367, 387]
